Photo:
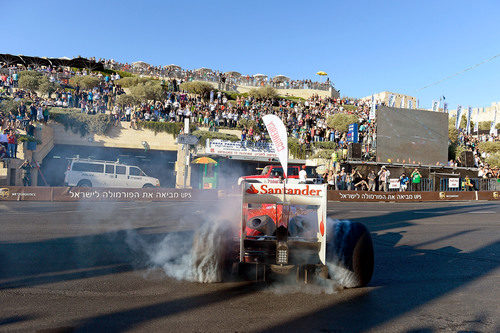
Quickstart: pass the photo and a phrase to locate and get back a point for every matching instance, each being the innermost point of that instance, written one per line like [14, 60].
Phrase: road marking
[473, 212]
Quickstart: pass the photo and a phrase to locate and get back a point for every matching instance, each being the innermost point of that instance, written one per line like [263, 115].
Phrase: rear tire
[148, 186]
[84, 183]
[349, 254]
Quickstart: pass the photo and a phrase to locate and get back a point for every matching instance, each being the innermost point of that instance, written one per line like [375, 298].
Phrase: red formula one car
[285, 230]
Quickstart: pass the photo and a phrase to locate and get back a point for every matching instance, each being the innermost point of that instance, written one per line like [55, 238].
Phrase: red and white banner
[277, 132]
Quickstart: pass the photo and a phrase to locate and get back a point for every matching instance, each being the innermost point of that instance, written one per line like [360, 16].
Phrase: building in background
[384, 97]
[485, 113]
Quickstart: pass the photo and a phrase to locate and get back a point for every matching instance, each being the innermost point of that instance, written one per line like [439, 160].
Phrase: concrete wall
[118, 137]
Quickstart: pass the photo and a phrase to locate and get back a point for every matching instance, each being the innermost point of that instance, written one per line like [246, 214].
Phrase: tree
[497, 126]
[341, 121]
[30, 80]
[494, 160]
[484, 125]
[263, 93]
[124, 100]
[46, 87]
[452, 134]
[128, 82]
[148, 91]
[9, 106]
[85, 82]
[197, 87]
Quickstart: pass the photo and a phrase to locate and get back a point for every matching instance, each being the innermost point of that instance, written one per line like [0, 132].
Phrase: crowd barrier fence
[68, 194]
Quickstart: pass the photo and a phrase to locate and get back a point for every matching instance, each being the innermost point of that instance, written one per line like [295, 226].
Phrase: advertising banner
[373, 109]
[279, 137]
[459, 117]
[394, 183]
[469, 115]
[238, 148]
[453, 182]
[365, 196]
[353, 133]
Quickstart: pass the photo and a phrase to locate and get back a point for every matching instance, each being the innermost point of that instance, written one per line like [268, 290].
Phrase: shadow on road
[406, 279]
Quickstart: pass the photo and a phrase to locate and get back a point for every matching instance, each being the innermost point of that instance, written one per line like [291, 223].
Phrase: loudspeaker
[354, 151]
[467, 159]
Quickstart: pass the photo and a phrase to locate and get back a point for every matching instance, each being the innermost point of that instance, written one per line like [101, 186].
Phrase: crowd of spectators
[306, 120]
[229, 79]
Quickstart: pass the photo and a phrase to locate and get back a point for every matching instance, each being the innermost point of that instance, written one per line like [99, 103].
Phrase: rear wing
[264, 192]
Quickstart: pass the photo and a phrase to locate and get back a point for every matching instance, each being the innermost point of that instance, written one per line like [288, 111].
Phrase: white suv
[93, 173]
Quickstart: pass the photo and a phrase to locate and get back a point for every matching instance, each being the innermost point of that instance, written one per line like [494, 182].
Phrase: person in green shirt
[416, 178]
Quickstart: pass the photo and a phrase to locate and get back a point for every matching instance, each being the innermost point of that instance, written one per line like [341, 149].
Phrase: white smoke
[198, 255]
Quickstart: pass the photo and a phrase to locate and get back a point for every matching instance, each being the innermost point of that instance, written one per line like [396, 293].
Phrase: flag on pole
[476, 122]
[410, 104]
[373, 108]
[469, 114]
[445, 107]
[418, 104]
[392, 100]
[493, 130]
[435, 106]
[459, 117]
[277, 132]
[402, 105]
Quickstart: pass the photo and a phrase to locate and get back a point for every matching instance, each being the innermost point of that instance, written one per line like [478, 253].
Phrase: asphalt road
[89, 267]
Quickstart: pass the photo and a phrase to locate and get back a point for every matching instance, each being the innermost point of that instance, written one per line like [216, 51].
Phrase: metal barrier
[479, 184]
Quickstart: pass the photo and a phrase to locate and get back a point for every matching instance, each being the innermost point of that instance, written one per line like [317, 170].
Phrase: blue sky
[365, 46]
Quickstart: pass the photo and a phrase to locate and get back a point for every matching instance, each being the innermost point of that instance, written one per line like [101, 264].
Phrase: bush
[124, 74]
[28, 138]
[124, 100]
[452, 134]
[484, 125]
[494, 160]
[132, 81]
[296, 149]
[325, 153]
[325, 145]
[9, 106]
[248, 123]
[30, 80]
[165, 127]
[46, 87]
[147, 91]
[197, 87]
[263, 93]
[204, 135]
[455, 150]
[85, 82]
[341, 121]
[489, 147]
[497, 126]
[82, 123]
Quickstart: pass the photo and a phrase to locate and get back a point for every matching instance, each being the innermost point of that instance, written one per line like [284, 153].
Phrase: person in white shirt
[302, 175]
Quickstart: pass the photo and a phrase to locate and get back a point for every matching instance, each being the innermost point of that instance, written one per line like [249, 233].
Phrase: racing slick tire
[349, 254]
[212, 253]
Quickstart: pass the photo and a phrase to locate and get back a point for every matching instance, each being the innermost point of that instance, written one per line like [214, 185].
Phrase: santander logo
[265, 189]
[252, 190]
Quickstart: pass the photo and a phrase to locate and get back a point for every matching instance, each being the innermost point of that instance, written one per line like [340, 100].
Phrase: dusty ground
[70, 266]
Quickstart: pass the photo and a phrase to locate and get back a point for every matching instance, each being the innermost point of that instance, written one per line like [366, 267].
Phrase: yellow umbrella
[204, 160]
[321, 73]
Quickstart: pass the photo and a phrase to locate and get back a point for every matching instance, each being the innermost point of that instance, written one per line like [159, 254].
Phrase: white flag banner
[469, 114]
[277, 132]
[410, 104]
[459, 117]
[435, 106]
[445, 107]
[392, 101]
[476, 121]
[373, 112]
[418, 103]
[402, 105]
[493, 130]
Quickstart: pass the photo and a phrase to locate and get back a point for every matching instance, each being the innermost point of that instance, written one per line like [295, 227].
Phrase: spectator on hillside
[403, 182]
[416, 178]
[371, 180]
[383, 179]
